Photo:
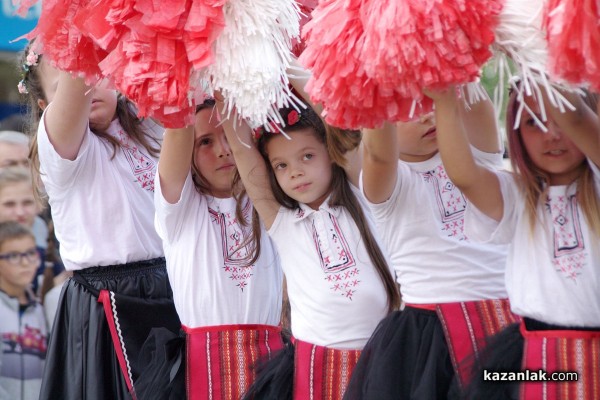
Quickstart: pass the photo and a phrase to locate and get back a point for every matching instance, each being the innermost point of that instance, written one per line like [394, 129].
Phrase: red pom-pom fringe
[61, 41]
[147, 49]
[573, 34]
[371, 59]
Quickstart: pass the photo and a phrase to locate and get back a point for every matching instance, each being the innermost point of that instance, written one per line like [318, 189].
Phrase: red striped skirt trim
[562, 351]
[220, 359]
[466, 327]
[322, 373]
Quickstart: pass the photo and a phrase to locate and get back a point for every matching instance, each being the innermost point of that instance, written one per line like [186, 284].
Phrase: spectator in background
[14, 149]
[18, 204]
[23, 327]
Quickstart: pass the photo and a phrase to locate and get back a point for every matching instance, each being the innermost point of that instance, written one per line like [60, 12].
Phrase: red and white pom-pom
[415, 44]
[252, 55]
[521, 38]
[350, 98]
[62, 43]
[573, 33]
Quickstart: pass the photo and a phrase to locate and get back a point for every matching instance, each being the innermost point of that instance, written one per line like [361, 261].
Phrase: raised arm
[380, 162]
[479, 121]
[581, 125]
[175, 161]
[251, 166]
[68, 114]
[298, 77]
[480, 185]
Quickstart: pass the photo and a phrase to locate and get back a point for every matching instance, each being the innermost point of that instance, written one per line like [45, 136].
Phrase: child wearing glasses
[23, 327]
[18, 204]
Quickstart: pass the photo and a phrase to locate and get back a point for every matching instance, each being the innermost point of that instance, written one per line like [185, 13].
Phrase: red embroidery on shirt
[232, 237]
[335, 256]
[569, 250]
[142, 166]
[450, 201]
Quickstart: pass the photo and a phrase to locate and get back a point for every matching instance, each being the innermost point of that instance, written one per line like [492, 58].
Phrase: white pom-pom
[251, 58]
[522, 51]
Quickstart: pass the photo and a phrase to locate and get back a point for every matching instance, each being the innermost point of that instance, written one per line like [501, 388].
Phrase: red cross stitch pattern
[450, 201]
[569, 250]
[142, 166]
[232, 238]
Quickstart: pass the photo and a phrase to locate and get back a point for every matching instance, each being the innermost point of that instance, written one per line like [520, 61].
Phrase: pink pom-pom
[413, 44]
[62, 43]
[350, 98]
[371, 59]
[147, 49]
[157, 47]
[573, 34]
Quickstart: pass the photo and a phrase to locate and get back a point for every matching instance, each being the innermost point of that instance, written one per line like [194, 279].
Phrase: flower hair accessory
[292, 118]
[32, 60]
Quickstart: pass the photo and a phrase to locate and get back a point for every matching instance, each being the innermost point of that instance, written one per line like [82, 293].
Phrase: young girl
[548, 211]
[338, 281]
[227, 288]
[452, 287]
[97, 163]
[23, 328]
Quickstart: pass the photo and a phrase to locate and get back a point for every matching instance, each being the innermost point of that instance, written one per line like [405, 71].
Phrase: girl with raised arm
[548, 212]
[97, 162]
[447, 281]
[226, 283]
[338, 279]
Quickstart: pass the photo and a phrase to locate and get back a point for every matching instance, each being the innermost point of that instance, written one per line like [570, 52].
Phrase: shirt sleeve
[481, 228]
[57, 171]
[386, 209]
[493, 161]
[170, 218]
[279, 221]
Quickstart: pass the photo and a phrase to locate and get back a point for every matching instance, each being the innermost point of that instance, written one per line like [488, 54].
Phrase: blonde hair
[534, 182]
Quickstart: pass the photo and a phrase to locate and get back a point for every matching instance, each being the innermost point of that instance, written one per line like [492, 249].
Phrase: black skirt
[81, 361]
[406, 358]
[503, 352]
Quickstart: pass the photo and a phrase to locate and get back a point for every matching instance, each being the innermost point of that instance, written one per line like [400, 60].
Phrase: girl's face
[302, 166]
[212, 155]
[104, 101]
[417, 138]
[19, 260]
[550, 151]
[18, 204]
